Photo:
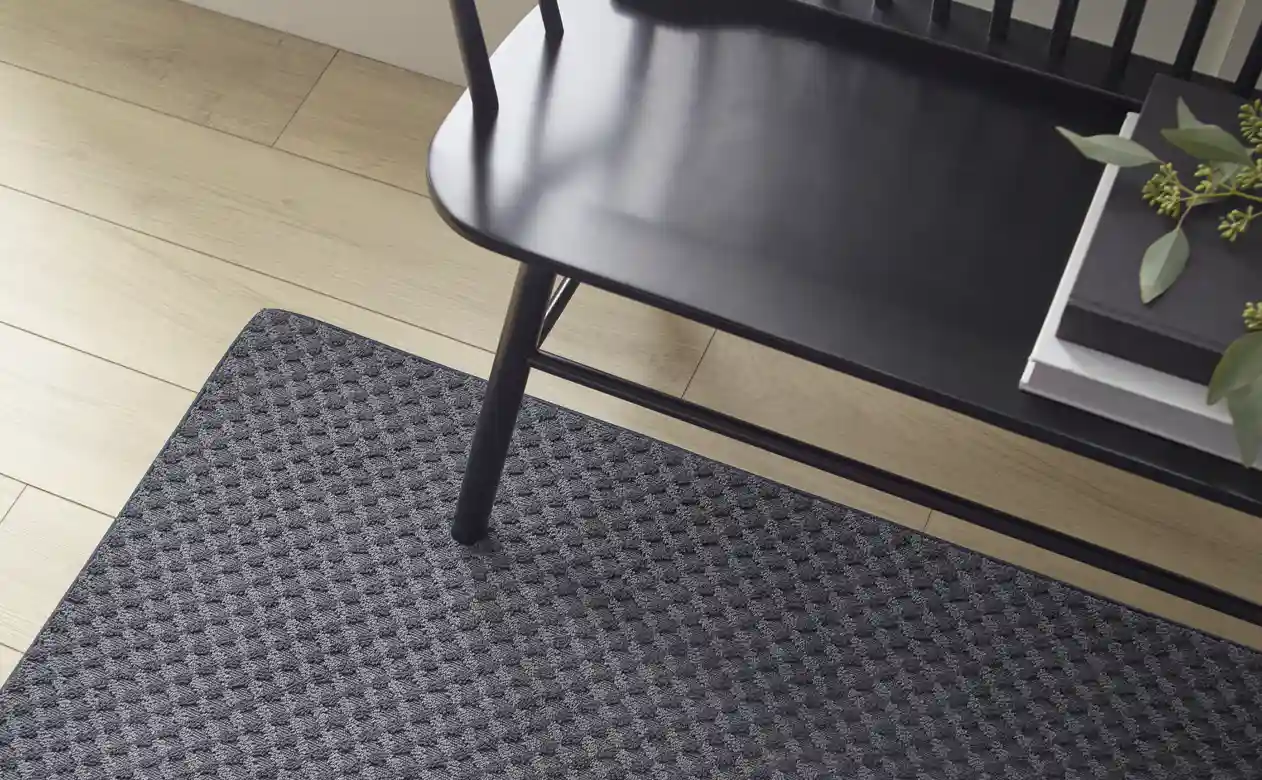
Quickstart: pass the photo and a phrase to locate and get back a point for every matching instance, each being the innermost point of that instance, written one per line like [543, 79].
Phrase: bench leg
[518, 341]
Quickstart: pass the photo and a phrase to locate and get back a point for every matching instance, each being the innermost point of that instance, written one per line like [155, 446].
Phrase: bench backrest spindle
[1124, 40]
[1000, 20]
[476, 61]
[1062, 31]
[1022, 50]
[1194, 38]
[552, 27]
[1252, 68]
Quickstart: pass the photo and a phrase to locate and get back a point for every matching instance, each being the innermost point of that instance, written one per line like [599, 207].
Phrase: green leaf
[1111, 149]
[1240, 366]
[1186, 117]
[1163, 262]
[1245, 405]
[1210, 143]
[1225, 171]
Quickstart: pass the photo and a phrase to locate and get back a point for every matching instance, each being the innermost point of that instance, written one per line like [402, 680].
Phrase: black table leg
[518, 342]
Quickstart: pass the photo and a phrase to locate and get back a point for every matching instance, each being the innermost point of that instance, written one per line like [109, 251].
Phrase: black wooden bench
[846, 181]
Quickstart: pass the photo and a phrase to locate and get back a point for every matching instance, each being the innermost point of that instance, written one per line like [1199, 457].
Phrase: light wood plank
[1009, 472]
[1092, 579]
[153, 306]
[173, 57]
[10, 489]
[44, 543]
[373, 119]
[354, 239]
[8, 662]
[91, 285]
[629, 339]
[78, 426]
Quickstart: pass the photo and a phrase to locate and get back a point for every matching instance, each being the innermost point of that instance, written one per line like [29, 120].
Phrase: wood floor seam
[16, 498]
[107, 515]
[191, 123]
[216, 258]
[700, 360]
[303, 102]
[95, 356]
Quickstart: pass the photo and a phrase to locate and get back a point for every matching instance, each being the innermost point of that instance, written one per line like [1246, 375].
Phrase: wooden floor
[166, 172]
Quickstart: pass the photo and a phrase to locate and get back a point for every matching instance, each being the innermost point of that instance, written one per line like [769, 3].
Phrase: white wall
[1159, 34]
[413, 34]
[417, 34]
[1250, 18]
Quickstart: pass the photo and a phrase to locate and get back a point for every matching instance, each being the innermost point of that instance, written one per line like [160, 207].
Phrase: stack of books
[1147, 365]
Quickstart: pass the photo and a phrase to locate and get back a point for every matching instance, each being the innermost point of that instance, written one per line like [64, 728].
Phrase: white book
[1128, 393]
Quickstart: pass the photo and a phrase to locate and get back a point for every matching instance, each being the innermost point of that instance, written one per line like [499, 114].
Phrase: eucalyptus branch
[1245, 195]
[1193, 195]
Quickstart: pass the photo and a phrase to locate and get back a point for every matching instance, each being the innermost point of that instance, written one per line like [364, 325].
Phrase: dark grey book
[1185, 330]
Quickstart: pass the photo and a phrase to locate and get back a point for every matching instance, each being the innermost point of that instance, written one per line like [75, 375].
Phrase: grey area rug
[281, 599]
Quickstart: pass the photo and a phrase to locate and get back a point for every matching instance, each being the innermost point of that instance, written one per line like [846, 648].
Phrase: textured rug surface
[281, 599]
